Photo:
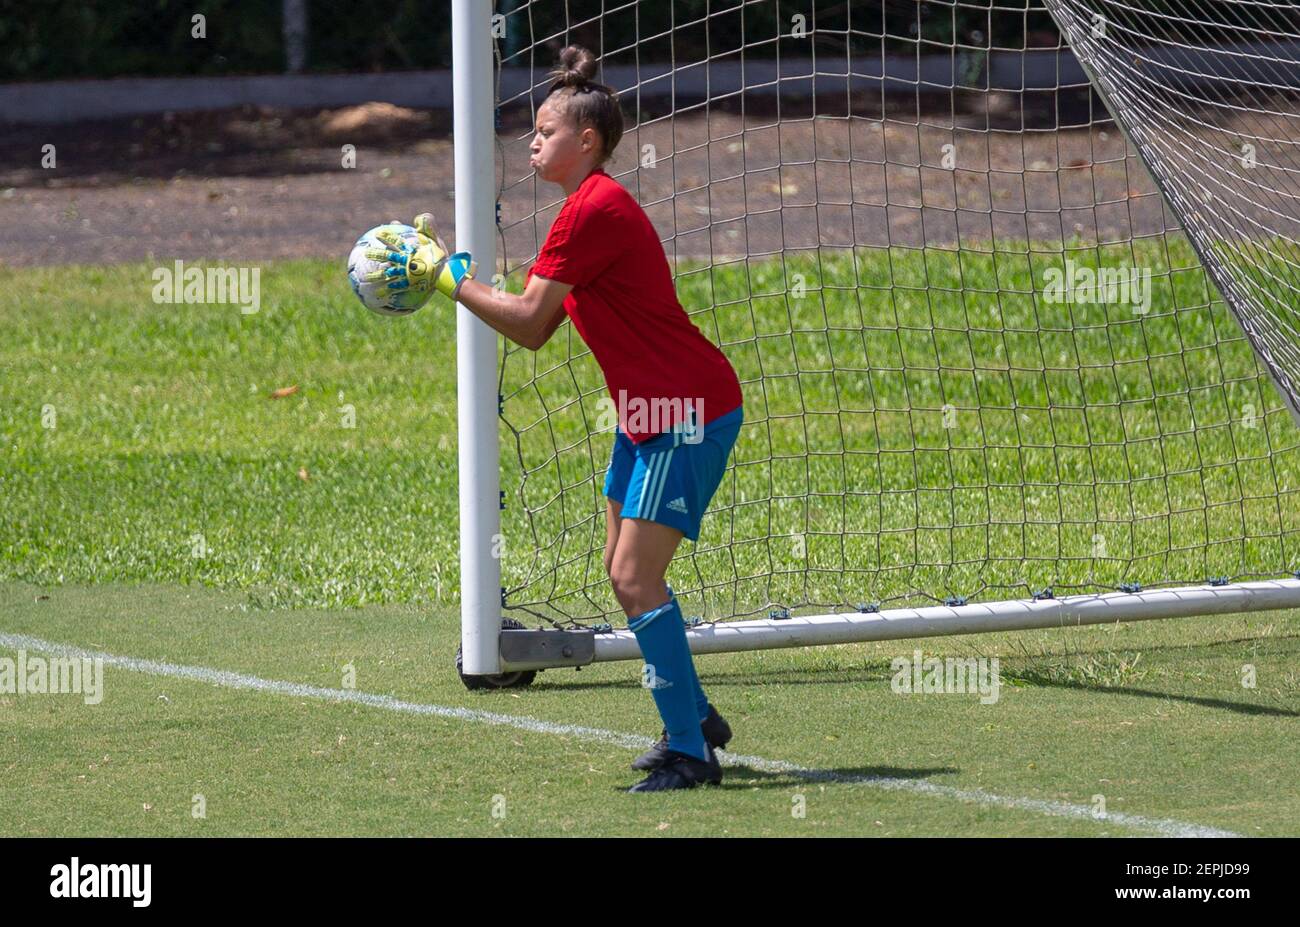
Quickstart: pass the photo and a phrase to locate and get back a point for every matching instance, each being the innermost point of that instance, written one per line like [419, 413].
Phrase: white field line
[1155, 826]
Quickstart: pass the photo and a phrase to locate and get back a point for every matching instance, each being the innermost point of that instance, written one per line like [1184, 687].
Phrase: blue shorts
[670, 479]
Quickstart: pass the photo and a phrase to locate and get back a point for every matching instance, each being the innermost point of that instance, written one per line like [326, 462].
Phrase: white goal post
[1012, 357]
[476, 349]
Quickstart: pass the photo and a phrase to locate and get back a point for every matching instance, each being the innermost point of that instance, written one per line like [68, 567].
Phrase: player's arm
[528, 319]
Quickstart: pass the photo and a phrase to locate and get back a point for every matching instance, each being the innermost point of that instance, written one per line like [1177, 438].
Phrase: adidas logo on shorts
[678, 505]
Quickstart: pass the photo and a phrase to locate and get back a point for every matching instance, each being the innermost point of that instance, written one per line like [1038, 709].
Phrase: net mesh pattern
[991, 341]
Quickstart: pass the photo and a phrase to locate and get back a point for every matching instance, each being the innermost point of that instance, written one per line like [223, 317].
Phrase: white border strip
[1156, 826]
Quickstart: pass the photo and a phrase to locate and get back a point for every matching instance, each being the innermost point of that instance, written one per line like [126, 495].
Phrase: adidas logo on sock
[678, 505]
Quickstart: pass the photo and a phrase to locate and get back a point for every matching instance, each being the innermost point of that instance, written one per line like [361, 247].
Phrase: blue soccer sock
[701, 700]
[661, 635]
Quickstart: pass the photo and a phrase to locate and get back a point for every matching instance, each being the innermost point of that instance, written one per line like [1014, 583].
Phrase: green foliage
[151, 39]
[141, 39]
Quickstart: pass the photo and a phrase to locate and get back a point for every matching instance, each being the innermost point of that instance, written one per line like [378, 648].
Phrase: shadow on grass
[787, 677]
[1111, 671]
[742, 776]
[1244, 708]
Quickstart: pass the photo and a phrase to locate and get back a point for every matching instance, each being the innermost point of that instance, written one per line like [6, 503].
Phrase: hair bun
[577, 67]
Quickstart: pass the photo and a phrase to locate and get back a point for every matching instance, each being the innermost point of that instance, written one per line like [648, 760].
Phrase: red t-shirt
[623, 304]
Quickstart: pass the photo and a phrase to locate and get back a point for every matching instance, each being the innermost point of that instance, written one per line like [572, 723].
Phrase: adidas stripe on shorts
[669, 479]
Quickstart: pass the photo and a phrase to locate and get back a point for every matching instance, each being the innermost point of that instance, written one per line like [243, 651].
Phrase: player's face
[558, 148]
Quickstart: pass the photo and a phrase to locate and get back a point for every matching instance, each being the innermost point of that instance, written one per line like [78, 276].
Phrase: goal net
[1011, 289]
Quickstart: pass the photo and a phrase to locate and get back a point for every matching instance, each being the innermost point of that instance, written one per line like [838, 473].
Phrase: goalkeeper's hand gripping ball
[394, 269]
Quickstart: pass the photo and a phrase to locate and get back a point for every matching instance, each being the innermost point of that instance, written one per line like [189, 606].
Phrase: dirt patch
[262, 183]
[234, 185]
[373, 121]
[245, 141]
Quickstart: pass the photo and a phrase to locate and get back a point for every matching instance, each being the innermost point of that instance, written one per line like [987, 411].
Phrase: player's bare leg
[613, 519]
[642, 553]
[640, 562]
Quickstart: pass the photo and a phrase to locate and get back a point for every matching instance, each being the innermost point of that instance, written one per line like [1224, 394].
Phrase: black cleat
[716, 730]
[681, 771]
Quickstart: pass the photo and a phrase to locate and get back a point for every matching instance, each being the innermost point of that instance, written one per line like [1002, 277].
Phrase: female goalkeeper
[677, 397]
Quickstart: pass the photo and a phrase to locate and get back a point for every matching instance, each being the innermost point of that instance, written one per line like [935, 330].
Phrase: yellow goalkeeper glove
[423, 267]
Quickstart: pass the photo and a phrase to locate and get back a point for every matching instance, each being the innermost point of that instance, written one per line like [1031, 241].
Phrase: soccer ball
[375, 295]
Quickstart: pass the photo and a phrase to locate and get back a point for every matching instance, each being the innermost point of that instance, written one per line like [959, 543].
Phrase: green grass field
[159, 504]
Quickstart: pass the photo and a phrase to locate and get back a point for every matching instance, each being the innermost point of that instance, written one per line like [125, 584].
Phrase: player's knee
[622, 579]
[631, 590]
